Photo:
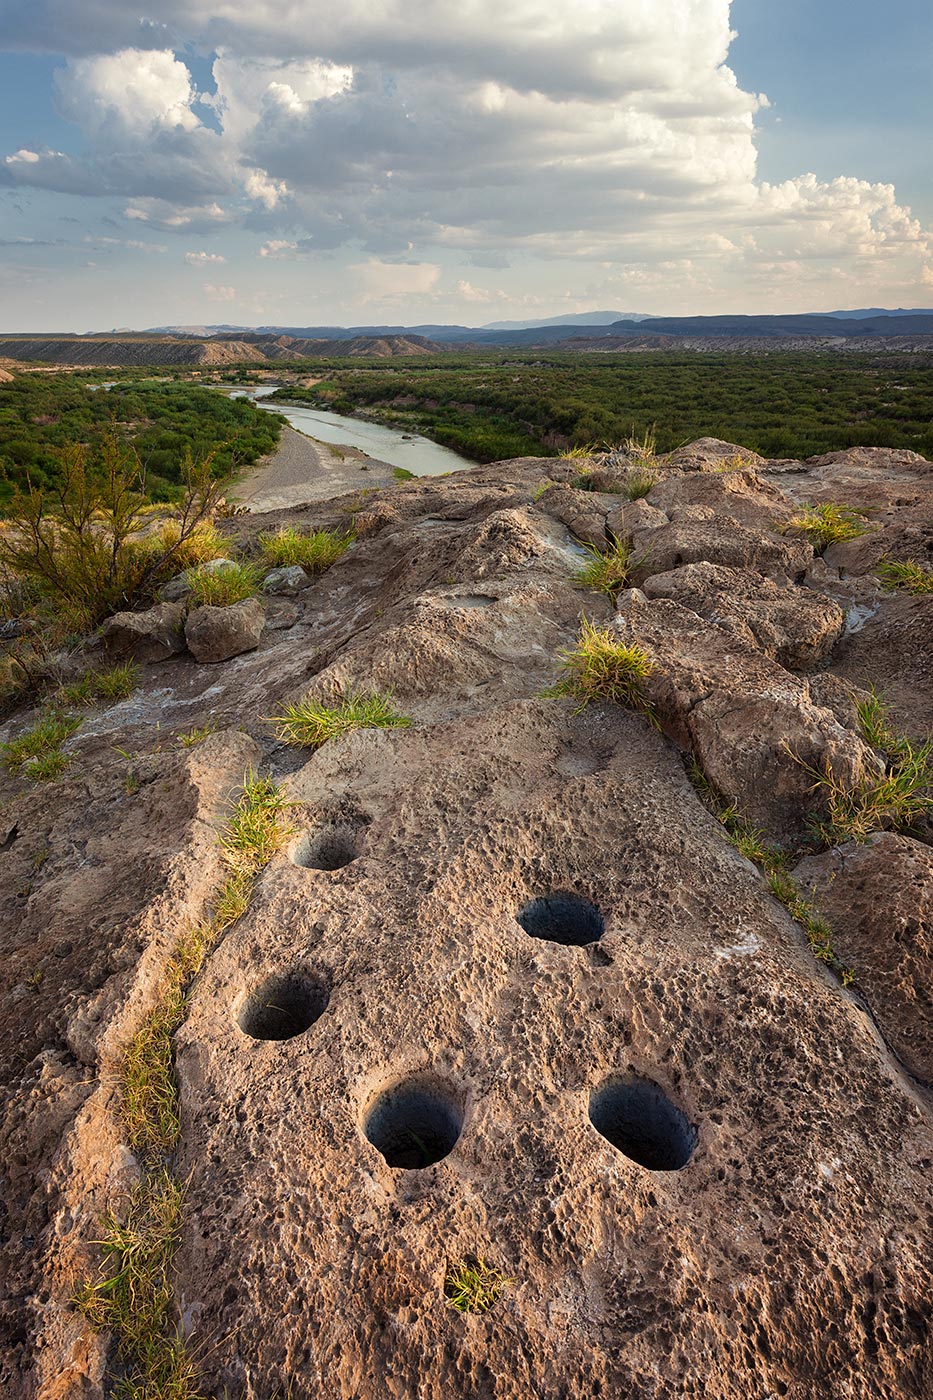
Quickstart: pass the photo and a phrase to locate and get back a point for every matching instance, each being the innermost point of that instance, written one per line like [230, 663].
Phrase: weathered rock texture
[216, 634]
[789, 1256]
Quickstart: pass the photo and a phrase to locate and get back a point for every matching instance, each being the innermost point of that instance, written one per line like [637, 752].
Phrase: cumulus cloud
[280, 248]
[391, 282]
[204, 259]
[597, 133]
[219, 293]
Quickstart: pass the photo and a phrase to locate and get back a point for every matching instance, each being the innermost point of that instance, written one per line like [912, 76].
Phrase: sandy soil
[302, 469]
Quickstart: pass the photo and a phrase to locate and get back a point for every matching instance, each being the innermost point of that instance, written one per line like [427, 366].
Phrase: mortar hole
[562, 918]
[638, 1118]
[414, 1124]
[329, 848]
[282, 1007]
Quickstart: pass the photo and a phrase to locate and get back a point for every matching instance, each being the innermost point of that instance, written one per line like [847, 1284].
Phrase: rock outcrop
[508, 990]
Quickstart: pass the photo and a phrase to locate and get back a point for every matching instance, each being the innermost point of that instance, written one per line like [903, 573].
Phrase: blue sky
[356, 162]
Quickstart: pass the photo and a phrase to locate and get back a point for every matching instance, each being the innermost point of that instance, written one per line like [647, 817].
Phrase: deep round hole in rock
[328, 848]
[638, 1118]
[283, 1006]
[562, 917]
[414, 1124]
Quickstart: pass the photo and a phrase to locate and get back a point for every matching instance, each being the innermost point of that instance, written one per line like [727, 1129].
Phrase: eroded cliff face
[509, 991]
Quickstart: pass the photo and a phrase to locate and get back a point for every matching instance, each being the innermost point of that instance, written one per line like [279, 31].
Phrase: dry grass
[600, 667]
[134, 1297]
[474, 1286]
[309, 723]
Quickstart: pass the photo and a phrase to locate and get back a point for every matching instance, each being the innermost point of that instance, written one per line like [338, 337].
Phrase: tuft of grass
[644, 449]
[826, 524]
[474, 1286]
[751, 842]
[223, 587]
[204, 543]
[110, 686]
[133, 1300]
[314, 550]
[41, 745]
[190, 737]
[47, 766]
[639, 482]
[908, 575]
[894, 799]
[576, 454]
[609, 570]
[601, 668]
[309, 723]
[402, 474]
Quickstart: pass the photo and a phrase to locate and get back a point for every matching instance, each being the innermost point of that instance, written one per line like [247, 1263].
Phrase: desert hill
[114, 352]
[565, 981]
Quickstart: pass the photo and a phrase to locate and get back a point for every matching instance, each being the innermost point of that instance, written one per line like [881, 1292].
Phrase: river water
[416, 454]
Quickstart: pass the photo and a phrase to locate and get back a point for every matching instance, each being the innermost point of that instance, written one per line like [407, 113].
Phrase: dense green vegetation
[40, 414]
[502, 405]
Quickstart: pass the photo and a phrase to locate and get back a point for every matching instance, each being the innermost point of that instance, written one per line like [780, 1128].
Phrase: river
[416, 454]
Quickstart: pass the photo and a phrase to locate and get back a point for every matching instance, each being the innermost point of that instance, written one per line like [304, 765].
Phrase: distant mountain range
[597, 324]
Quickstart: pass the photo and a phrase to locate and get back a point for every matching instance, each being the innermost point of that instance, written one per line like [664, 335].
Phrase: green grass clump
[609, 570]
[134, 1300]
[576, 454]
[190, 737]
[108, 686]
[403, 474]
[826, 524]
[894, 799]
[315, 550]
[474, 1286]
[751, 842]
[909, 576]
[222, 587]
[309, 723]
[639, 482]
[38, 751]
[601, 668]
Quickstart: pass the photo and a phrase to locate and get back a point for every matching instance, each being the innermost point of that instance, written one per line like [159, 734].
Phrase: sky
[351, 162]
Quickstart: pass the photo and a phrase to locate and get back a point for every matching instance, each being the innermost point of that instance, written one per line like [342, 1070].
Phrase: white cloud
[133, 91]
[468, 292]
[204, 259]
[597, 133]
[280, 248]
[389, 282]
[219, 293]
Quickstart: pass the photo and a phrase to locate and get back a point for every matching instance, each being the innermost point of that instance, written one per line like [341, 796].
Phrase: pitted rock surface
[787, 1253]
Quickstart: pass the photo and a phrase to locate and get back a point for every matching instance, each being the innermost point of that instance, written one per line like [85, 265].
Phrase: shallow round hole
[329, 848]
[414, 1124]
[283, 1006]
[638, 1118]
[562, 918]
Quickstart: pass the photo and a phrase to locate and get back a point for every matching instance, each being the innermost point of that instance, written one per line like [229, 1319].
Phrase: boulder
[741, 495]
[624, 521]
[216, 634]
[752, 726]
[878, 901]
[288, 580]
[708, 455]
[794, 626]
[583, 512]
[698, 534]
[152, 635]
